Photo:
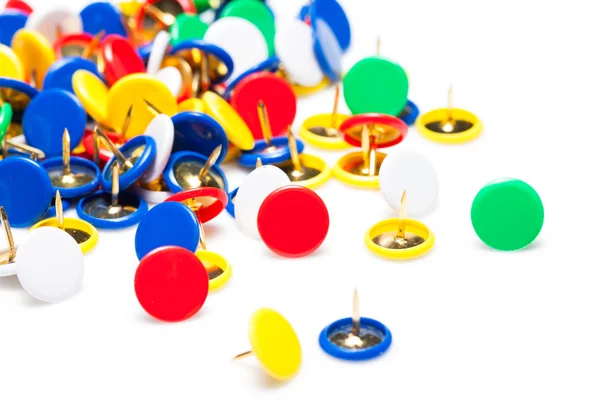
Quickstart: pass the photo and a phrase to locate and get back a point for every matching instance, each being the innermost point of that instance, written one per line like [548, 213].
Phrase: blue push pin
[196, 52]
[60, 74]
[10, 22]
[112, 210]
[230, 207]
[327, 49]
[189, 170]
[355, 338]
[410, 113]
[102, 16]
[134, 158]
[46, 118]
[270, 150]
[18, 94]
[199, 133]
[167, 224]
[72, 177]
[25, 190]
[269, 65]
[333, 14]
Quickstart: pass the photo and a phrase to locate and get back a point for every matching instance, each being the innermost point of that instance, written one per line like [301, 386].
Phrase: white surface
[241, 39]
[295, 48]
[50, 265]
[162, 131]
[172, 79]
[159, 48]
[252, 192]
[413, 172]
[46, 20]
[469, 323]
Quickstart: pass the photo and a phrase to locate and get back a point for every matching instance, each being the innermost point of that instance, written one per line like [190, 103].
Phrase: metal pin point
[60, 220]
[259, 162]
[365, 145]
[113, 149]
[9, 255]
[66, 152]
[114, 199]
[153, 109]
[210, 162]
[355, 315]
[126, 123]
[265, 124]
[298, 170]
[402, 217]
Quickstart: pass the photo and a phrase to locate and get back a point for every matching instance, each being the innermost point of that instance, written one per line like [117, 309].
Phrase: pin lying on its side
[49, 264]
[280, 358]
[205, 202]
[218, 268]
[449, 125]
[356, 338]
[400, 238]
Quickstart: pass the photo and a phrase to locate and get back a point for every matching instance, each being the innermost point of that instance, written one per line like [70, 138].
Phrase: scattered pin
[10, 65]
[449, 125]
[21, 148]
[205, 202]
[112, 210]
[271, 64]
[54, 23]
[162, 131]
[217, 267]
[102, 16]
[60, 74]
[92, 92]
[234, 126]
[399, 238]
[356, 338]
[36, 55]
[189, 170]
[154, 192]
[199, 133]
[274, 343]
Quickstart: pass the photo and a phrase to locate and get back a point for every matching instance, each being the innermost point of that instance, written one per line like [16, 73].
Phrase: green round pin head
[203, 5]
[5, 119]
[376, 85]
[186, 27]
[507, 214]
[256, 12]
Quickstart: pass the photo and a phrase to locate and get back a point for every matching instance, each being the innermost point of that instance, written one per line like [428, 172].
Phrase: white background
[467, 322]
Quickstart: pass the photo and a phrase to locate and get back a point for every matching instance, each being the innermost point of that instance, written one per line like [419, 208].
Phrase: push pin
[400, 238]
[101, 16]
[269, 150]
[84, 234]
[154, 192]
[92, 92]
[356, 338]
[449, 125]
[119, 58]
[134, 159]
[200, 133]
[73, 177]
[49, 264]
[169, 270]
[5, 119]
[507, 214]
[55, 23]
[154, 16]
[60, 74]
[231, 203]
[36, 55]
[11, 66]
[187, 27]
[234, 126]
[189, 170]
[274, 343]
[304, 169]
[162, 131]
[13, 146]
[217, 267]
[323, 130]
[205, 202]
[271, 64]
[81, 45]
[18, 95]
[112, 210]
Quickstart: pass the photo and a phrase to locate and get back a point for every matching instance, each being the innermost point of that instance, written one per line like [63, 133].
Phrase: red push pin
[19, 6]
[119, 58]
[293, 221]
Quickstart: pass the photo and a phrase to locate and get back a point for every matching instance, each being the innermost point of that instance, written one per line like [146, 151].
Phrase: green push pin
[507, 214]
[5, 119]
[256, 12]
[204, 5]
[376, 85]
[187, 27]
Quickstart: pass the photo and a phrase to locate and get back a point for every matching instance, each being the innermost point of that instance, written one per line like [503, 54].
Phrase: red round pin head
[71, 45]
[206, 202]
[19, 6]
[120, 58]
[386, 129]
[171, 283]
[277, 95]
[293, 221]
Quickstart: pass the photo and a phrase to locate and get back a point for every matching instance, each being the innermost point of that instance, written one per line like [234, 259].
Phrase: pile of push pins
[116, 107]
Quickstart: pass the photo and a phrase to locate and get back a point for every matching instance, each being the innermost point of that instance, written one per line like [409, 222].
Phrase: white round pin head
[414, 173]
[241, 39]
[161, 130]
[294, 46]
[172, 79]
[152, 196]
[251, 194]
[50, 265]
[158, 51]
[54, 22]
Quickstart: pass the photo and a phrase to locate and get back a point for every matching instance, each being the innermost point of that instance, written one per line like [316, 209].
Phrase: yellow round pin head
[400, 238]
[449, 125]
[145, 95]
[360, 170]
[93, 94]
[10, 65]
[193, 104]
[235, 127]
[36, 55]
[275, 344]
[218, 268]
[301, 91]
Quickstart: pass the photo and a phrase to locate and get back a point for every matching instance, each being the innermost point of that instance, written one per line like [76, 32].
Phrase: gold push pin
[191, 170]
[265, 126]
[449, 125]
[84, 234]
[34, 153]
[218, 268]
[400, 238]
[74, 177]
[305, 169]
[323, 130]
[356, 338]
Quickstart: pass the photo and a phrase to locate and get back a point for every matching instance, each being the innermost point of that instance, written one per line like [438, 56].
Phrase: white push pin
[49, 264]
[161, 130]
[160, 46]
[251, 194]
[172, 79]
[53, 23]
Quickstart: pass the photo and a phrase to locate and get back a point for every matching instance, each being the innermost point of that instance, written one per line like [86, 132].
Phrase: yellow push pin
[235, 127]
[84, 234]
[93, 94]
[10, 65]
[322, 130]
[274, 343]
[449, 125]
[361, 168]
[304, 169]
[36, 55]
[400, 238]
[218, 268]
